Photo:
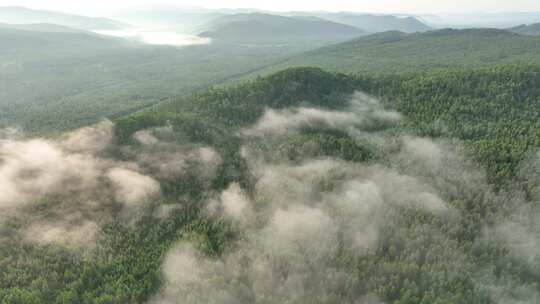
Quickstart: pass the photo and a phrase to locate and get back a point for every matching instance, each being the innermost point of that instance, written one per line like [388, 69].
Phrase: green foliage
[441, 50]
[56, 81]
[495, 111]
[422, 258]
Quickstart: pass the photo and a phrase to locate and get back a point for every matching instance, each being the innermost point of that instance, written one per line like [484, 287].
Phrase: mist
[82, 187]
[304, 152]
[299, 218]
[299, 226]
[153, 37]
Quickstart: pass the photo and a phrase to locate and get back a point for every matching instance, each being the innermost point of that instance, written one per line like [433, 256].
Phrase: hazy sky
[386, 6]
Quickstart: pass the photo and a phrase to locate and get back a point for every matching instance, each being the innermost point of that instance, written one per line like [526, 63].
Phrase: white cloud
[132, 187]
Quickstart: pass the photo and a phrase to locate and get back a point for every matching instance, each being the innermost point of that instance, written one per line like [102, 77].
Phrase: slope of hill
[22, 15]
[288, 179]
[58, 80]
[395, 52]
[36, 37]
[80, 77]
[257, 28]
[531, 29]
[375, 23]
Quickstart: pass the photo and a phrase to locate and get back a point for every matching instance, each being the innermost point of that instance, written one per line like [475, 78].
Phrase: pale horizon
[412, 7]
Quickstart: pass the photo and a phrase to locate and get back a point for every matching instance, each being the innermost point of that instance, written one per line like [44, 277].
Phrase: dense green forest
[438, 50]
[55, 81]
[90, 77]
[292, 188]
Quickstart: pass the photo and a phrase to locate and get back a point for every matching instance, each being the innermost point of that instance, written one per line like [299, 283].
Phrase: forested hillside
[110, 77]
[56, 79]
[531, 29]
[396, 52]
[300, 187]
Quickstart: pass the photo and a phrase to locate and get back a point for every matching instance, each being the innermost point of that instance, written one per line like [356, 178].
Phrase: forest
[293, 152]
[304, 186]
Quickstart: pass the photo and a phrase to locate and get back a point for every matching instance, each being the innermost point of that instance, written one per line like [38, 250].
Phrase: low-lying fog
[159, 37]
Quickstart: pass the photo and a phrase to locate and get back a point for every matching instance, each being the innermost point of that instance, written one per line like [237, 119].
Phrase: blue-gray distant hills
[373, 23]
[22, 15]
[260, 28]
[194, 19]
[531, 29]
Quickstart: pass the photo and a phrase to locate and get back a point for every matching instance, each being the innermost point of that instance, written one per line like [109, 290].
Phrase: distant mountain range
[257, 28]
[241, 27]
[43, 53]
[185, 19]
[468, 20]
[193, 19]
[374, 23]
[22, 15]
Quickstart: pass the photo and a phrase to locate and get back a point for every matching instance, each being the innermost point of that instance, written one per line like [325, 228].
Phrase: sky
[96, 7]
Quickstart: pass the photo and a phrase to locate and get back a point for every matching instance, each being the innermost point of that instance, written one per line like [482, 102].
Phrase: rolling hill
[56, 78]
[397, 52]
[191, 19]
[22, 15]
[374, 23]
[36, 37]
[344, 164]
[531, 29]
[258, 28]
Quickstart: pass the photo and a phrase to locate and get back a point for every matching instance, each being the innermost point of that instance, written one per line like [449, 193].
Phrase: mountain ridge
[398, 52]
[267, 28]
[23, 15]
[373, 23]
